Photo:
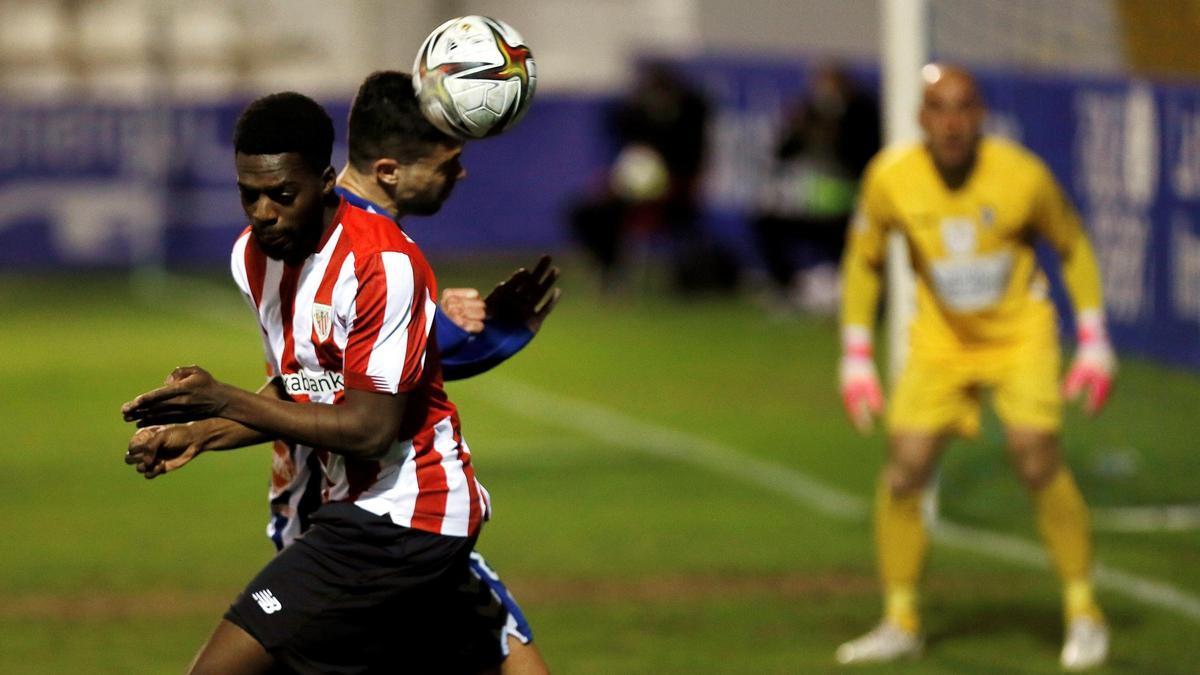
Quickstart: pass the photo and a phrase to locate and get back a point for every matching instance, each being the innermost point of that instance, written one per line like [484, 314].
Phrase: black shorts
[360, 594]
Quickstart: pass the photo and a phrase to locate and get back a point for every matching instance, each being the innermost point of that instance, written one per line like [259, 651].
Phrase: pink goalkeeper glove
[1094, 365]
[861, 394]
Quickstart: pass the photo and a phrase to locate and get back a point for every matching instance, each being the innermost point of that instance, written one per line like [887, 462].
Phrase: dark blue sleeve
[484, 351]
[450, 338]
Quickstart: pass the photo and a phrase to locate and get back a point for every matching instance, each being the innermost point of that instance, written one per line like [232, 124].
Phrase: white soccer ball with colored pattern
[474, 76]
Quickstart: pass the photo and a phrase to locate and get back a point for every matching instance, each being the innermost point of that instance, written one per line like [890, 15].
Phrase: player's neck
[956, 177]
[363, 185]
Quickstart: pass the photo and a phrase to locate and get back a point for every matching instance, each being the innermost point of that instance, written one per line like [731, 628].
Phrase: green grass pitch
[626, 560]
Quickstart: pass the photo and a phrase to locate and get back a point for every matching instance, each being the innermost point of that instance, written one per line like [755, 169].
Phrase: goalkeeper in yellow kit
[971, 209]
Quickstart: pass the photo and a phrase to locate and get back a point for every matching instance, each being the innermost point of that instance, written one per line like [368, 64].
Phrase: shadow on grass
[991, 618]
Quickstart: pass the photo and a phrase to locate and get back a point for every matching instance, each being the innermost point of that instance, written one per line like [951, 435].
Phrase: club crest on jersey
[987, 216]
[322, 320]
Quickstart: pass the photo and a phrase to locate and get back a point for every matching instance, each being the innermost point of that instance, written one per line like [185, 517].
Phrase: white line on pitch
[620, 430]
[1168, 518]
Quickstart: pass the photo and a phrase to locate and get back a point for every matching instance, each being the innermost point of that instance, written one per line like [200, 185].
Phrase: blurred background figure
[649, 199]
[825, 144]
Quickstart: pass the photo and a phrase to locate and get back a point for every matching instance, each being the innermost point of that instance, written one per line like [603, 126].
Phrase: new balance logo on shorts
[267, 600]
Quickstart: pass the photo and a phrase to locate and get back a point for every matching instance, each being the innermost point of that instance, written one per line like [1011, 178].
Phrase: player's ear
[328, 183]
[387, 171]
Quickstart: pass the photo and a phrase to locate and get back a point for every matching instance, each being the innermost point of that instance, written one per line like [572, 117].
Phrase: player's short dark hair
[386, 121]
[286, 122]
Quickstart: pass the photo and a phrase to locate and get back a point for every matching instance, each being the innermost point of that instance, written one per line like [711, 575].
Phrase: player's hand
[190, 393]
[157, 449]
[526, 297]
[862, 395]
[465, 308]
[1095, 364]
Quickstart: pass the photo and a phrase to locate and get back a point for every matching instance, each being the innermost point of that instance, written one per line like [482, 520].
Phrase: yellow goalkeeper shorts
[941, 390]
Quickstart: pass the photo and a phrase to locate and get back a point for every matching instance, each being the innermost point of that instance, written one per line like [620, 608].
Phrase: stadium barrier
[108, 185]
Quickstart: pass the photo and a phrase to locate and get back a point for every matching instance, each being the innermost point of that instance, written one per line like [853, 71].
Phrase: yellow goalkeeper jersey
[972, 248]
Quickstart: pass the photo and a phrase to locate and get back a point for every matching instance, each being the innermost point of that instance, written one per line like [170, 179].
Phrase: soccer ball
[474, 77]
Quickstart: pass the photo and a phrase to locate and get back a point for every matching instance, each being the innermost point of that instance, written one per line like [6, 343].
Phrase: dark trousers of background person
[610, 228]
[790, 245]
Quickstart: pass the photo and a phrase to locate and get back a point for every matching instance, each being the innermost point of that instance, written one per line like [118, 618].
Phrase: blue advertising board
[89, 184]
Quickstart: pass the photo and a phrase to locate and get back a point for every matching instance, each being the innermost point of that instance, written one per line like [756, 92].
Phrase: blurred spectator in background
[825, 144]
[649, 194]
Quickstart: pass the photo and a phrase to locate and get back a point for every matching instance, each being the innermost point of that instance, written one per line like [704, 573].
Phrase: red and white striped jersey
[357, 313]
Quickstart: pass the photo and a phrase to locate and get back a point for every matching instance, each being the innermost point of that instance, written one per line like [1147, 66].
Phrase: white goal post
[904, 49]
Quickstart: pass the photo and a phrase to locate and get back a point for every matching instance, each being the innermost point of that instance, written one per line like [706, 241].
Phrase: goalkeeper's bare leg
[1065, 526]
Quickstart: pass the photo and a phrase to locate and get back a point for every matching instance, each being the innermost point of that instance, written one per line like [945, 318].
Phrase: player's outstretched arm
[515, 312]
[526, 298]
[364, 426]
[1095, 363]
[862, 269]
[862, 279]
[155, 450]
